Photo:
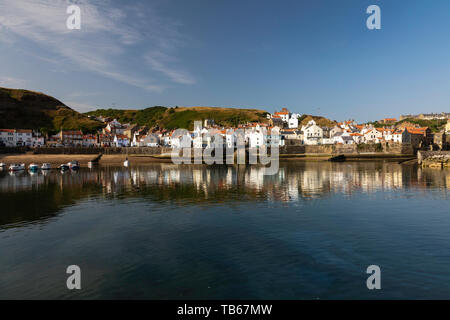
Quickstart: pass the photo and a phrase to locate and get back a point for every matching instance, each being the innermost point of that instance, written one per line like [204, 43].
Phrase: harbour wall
[292, 149]
[353, 149]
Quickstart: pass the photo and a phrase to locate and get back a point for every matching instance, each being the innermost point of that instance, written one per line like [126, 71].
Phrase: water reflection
[167, 232]
[28, 197]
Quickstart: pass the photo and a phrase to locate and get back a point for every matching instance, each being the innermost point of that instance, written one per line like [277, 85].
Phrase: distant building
[388, 120]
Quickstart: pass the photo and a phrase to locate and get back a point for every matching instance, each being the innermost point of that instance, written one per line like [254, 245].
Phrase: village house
[8, 137]
[38, 139]
[401, 135]
[68, 138]
[105, 140]
[114, 127]
[447, 127]
[373, 136]
[277, 121]
[274, 137]
[89, 140]
[178, 140]
[312, 133]
[291, 134]
[149, 140]
[283, 114]
[357, 137]
[24, 137]
[293, 122]
[130, 130]
[121, 140]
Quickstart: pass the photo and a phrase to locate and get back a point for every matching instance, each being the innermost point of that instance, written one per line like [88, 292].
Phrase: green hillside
[182, 117]
[24, 109]
[320, 121]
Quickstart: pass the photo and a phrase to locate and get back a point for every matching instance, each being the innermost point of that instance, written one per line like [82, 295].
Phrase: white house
[293, 122]
[121, 140]
[38, 139]
[89, 140]
[8, 137]
[24, 137]
[401, 136]
[357, 137]
[374, 136]
[255, 137]
[283, 114]
[181, 141]
[312, 133]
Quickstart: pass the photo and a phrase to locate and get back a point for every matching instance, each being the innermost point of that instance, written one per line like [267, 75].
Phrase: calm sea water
[194, 232]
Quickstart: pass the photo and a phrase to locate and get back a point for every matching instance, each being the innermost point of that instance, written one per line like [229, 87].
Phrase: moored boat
[126, 163]
[46, 166]
[2, 165]
[64, 167]
[33, 167]
[74, 165]
[17, 167]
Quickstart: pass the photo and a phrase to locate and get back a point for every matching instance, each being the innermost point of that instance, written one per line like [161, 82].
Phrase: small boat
[2, 165]
[126, 163]
[74, 165]
[17, 167]
[64, 167]
[46, 166]
[33, 167]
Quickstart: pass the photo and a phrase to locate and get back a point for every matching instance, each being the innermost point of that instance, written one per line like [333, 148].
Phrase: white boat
[74, 165]
[2, 165]
[17, 167]
[33, 167]
[126, 163]
[46, 166]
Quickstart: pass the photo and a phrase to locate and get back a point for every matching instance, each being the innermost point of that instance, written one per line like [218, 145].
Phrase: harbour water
[163, 231]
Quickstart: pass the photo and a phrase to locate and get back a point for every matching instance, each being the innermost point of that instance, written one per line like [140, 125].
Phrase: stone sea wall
[397, 149]
[438, 159]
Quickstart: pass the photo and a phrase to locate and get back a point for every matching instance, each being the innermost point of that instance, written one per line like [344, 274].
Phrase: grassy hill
[26, 109]
[183, 117]
[434, 125]
[320, 121]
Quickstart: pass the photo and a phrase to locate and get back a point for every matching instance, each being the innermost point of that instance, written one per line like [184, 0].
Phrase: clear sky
[314, 56]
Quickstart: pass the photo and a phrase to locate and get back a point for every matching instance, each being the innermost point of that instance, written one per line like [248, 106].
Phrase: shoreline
[83, 159]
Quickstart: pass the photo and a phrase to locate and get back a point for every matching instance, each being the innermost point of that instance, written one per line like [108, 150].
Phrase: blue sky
[314, 56]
